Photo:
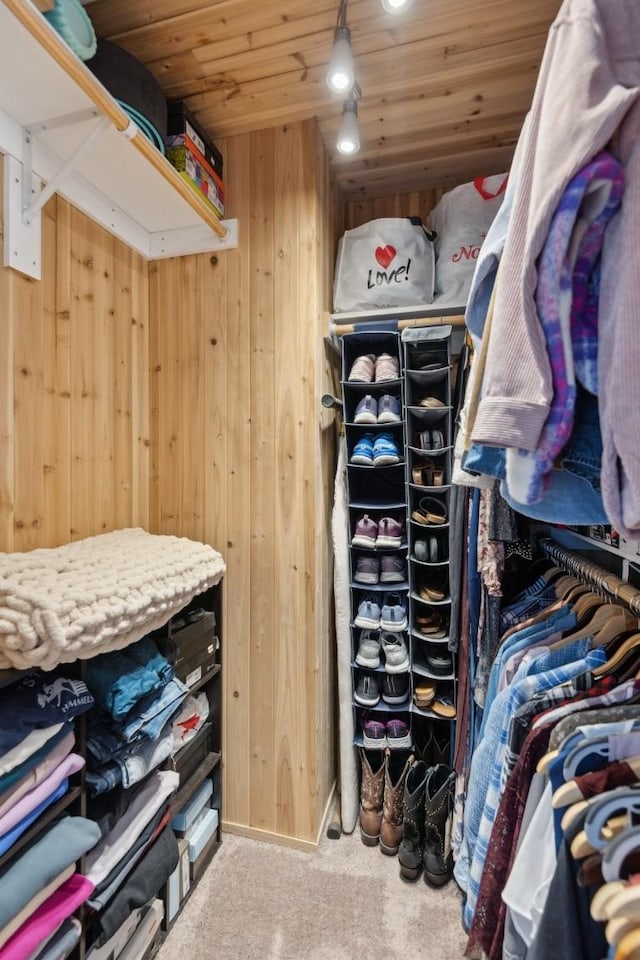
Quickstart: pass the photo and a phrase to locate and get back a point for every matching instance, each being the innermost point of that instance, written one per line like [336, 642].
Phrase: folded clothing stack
[137, 853]
[36, 743]
[40, 889]
[131, 732]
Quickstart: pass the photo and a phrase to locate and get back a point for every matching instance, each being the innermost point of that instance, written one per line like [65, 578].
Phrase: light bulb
[340, 74]
[394, 6]
[349, 134]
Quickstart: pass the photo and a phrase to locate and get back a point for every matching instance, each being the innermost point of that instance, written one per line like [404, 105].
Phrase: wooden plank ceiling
[446, 83]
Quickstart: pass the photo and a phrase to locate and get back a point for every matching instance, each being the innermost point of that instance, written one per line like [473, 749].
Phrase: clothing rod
[367, 326]
[586, 570]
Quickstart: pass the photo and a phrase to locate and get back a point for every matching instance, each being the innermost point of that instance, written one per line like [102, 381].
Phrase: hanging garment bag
[383, 264]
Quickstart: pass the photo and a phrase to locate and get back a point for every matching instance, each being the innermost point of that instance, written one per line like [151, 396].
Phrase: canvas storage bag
[385, 263]
[461, 220]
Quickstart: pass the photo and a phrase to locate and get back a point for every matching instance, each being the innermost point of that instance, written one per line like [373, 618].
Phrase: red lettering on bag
[466, 253]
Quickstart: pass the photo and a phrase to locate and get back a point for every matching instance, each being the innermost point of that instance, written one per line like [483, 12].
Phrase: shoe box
[193, 648]
[133, 939]
[188, 758]
[197, 823]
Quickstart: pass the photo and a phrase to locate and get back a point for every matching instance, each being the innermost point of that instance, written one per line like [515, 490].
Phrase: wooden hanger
[630, 647]
[604, 615]
[602, 897]
[572, 814]
[616, 929]
[629, 946]
[569, 792]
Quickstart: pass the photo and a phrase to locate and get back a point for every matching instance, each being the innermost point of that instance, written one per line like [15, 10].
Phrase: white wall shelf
[50, 106]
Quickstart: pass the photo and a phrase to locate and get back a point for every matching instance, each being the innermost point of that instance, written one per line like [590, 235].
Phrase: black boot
[410, 851]
[438, 805]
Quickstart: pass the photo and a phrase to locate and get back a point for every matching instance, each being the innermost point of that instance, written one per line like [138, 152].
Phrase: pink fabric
[588, 81]
[10, 797]
[47, 917]
[35, 797]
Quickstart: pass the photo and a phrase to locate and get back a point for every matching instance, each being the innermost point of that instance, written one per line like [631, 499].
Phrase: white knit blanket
[98, 594]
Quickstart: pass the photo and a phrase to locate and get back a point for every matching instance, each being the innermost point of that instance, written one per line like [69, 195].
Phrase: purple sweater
[588, 81]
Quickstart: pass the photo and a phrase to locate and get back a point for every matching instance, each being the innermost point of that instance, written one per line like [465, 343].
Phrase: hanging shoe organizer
[375, 438]
[427, 367]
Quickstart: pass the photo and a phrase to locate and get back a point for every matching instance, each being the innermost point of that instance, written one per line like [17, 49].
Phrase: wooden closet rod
[366, 326]
[586, 570]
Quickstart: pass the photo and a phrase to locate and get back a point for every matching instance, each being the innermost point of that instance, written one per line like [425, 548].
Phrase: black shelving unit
[199, 759]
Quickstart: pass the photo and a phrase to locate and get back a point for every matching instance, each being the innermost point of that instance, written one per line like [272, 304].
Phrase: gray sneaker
[367, 692]
[368, 615]
[394, 613]
[396, 655]
[367, 410]
[393, 568]
[389, 409]
[367, 570]
[368, 654]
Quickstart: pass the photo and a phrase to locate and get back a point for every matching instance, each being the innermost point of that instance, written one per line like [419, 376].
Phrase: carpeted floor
[259, 901]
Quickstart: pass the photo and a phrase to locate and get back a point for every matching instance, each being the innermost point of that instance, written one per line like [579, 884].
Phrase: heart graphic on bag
[384, 255]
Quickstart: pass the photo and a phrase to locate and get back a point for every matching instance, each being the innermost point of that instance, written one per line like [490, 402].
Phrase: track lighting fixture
[340, 75]
[349, 133]
[395, 6]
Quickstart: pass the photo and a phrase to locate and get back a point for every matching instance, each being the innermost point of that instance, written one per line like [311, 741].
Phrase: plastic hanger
[604, 807]
[617, 851]
[629, 946]
[616, 929]
[572, 814]
[568, 793]
[602, 897]
[581, 846]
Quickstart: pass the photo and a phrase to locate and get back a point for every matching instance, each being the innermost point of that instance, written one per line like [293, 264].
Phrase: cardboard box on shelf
[195, 174]
[181, 122]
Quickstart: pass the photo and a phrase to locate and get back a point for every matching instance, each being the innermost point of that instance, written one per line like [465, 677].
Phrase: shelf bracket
[24, 196]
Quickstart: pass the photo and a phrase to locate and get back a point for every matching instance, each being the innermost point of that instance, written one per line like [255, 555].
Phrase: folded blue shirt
[39, 700]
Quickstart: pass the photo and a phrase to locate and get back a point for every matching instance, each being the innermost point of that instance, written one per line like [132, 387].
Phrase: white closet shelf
[59, 124]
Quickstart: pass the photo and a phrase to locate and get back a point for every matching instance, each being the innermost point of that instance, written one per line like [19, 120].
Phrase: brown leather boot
[371, 793]
[395, 773]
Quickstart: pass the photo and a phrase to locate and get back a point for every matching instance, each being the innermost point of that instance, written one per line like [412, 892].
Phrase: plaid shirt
[571, 696]
[547, 675]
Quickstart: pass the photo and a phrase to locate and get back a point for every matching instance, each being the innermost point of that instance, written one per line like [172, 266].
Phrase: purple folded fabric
[35, 776]
[28, 803]
[47, 918]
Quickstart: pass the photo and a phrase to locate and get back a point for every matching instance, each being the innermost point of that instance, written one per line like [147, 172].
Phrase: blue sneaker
[363, 451]
[389, 409]
[385, 451]
[367, 410]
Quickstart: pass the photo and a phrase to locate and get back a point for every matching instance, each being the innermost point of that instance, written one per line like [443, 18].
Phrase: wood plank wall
[242, 458]
[419, 204]
[74, 401]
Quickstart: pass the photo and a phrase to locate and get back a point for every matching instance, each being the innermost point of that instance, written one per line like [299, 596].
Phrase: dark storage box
[181, 122]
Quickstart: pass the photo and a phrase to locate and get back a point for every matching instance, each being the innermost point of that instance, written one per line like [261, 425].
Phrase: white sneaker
[395, 651]
[368, 654]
